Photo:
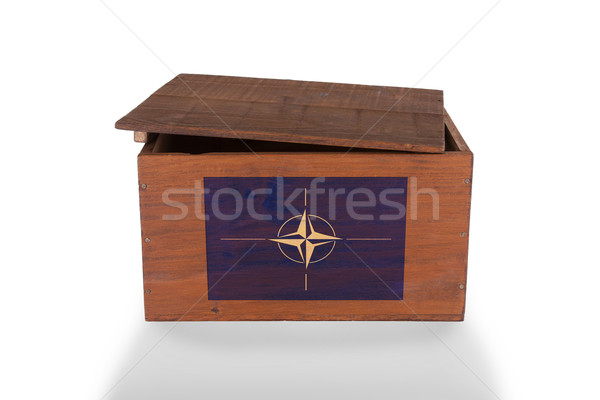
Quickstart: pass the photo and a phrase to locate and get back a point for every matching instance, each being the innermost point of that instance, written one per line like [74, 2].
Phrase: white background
[522, 85]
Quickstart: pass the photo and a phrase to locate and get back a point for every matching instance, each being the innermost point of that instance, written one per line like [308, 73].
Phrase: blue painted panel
[261, 254]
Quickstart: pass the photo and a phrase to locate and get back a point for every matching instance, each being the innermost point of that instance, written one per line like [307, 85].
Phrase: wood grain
[376, 117]
[175, 276]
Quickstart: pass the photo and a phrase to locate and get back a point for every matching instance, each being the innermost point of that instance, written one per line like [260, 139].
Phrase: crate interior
[166, 143]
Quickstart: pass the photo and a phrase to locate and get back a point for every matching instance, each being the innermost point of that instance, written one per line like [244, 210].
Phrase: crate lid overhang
[333, 114]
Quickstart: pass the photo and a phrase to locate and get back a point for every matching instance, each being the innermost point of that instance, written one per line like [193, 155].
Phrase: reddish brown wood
[457, 138]
[376, 117]
[175, 280]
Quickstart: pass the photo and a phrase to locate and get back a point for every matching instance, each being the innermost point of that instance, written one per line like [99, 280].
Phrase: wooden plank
[458, 139]
[175, 273]
[143, 137]
[376, 117]
[140, 137]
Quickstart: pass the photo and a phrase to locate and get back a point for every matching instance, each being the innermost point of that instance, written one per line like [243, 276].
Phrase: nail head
[144, 186]
[461, 286]
[467, 181]
[147, 240]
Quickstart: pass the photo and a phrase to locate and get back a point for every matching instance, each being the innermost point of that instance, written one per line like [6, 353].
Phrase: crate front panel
[427, 283]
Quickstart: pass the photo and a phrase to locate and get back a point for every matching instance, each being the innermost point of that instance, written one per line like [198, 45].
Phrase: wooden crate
[392, 246]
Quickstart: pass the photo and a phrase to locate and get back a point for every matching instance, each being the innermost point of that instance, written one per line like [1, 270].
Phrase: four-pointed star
[305, 234]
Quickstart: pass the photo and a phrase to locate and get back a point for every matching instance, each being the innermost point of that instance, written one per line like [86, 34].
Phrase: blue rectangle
[305, 238]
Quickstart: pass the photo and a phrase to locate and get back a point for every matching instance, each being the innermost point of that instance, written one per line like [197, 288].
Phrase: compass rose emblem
[305, 239]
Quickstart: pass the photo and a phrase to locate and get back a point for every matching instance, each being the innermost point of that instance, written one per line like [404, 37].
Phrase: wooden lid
[373, 117]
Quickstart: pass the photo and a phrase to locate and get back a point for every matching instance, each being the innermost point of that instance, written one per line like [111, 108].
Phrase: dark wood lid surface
[374, 117]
